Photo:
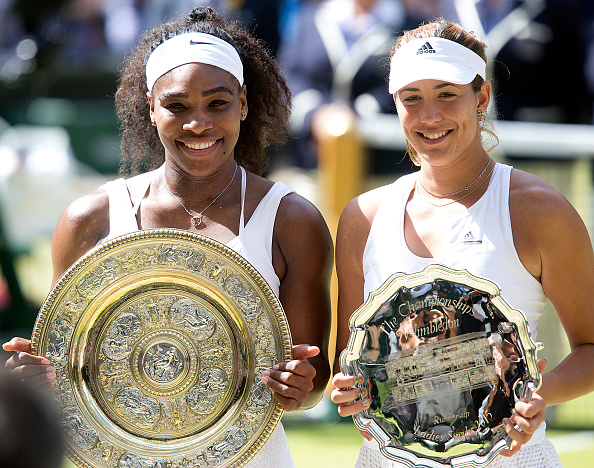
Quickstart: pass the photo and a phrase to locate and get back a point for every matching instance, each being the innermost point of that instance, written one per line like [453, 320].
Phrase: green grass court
[337, 445]
[322, 445]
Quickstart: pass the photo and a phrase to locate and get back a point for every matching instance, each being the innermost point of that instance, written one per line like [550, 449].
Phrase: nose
[430, 114]
[197, 122]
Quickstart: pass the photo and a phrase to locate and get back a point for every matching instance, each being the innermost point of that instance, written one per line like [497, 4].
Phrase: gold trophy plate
[159, 339]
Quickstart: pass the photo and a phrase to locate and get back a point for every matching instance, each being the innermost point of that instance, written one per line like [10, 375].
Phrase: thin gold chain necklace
[464, 189]
[463, 196]
[197, 218]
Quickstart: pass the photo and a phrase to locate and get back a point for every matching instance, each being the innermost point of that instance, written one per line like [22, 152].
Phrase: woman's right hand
[346, 395]
[36, 370]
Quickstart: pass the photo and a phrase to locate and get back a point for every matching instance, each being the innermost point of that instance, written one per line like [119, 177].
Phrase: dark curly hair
[268, 97]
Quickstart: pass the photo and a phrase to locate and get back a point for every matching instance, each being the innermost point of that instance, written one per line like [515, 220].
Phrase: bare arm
[554, 245]
[83, 223]
[352, 233]
[79, 229]
[353, 230]
[303, 258]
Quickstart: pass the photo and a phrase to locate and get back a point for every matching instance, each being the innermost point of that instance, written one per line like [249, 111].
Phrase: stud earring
[480, 114]
[243, 116]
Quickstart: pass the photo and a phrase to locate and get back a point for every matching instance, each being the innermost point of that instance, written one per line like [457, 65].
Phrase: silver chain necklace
[197, 218]
[447, 195]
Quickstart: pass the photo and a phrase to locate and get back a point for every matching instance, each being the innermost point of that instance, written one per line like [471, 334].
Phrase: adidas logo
[426, 49]
[470, 239]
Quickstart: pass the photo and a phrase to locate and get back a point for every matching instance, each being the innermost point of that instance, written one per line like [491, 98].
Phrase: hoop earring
[412, 154]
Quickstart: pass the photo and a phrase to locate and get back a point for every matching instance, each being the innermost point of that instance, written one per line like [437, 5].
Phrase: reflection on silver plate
[444, 359]
[159, 339]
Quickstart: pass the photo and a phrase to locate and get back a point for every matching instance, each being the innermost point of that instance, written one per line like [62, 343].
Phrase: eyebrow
[218, 89]
[208, 92]
[439, 86]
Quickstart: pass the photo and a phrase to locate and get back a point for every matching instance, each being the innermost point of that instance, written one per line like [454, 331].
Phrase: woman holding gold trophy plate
[200, 101]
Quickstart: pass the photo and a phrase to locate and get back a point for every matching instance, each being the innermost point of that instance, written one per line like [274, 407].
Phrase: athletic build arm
[554, 246]
[303, 259]
[78, 230]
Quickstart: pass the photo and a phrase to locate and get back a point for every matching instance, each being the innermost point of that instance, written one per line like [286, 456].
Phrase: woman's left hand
[527, 416]
[291, 381]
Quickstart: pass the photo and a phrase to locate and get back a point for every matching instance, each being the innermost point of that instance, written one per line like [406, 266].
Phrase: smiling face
[198, 109]
[439, 119]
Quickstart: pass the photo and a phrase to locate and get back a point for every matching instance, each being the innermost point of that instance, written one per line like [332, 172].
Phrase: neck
[200, 187]
[447, 182]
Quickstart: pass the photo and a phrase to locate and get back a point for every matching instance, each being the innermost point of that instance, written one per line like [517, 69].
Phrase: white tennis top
[254, 243]
[479, 240]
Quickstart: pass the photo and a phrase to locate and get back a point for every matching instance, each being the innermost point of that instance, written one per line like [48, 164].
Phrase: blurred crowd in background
[59, 62]
[333, 52]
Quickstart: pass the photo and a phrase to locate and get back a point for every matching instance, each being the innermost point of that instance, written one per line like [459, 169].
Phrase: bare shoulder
[543, 222]
[81, 226]
[294, 210]
[358, 215]
[89, 213]
[302, 244]
[370, 201]
[84, 223]
[536, 200]
[297, 214]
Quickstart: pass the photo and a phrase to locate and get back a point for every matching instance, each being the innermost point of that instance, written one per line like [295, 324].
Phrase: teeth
[200, 146]
[434, 136]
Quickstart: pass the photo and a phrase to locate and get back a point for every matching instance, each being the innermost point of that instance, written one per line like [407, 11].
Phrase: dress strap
[136, 204]
[136, 207]
[242, 215]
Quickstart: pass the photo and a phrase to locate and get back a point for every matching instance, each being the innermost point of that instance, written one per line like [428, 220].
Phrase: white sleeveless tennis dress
[249, 244]
[479, 240]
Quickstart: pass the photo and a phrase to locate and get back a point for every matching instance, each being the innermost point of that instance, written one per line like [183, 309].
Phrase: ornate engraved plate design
[444, 359]
[160, 338]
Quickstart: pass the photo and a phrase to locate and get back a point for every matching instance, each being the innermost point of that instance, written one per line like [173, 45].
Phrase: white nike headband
[434, 58]
[193, 48]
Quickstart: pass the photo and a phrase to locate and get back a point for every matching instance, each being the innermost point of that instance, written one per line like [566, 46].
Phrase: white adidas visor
[434, 58]
[193, 48]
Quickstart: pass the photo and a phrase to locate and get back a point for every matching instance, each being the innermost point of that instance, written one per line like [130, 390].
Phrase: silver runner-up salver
[444, 359]
[159, 339]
